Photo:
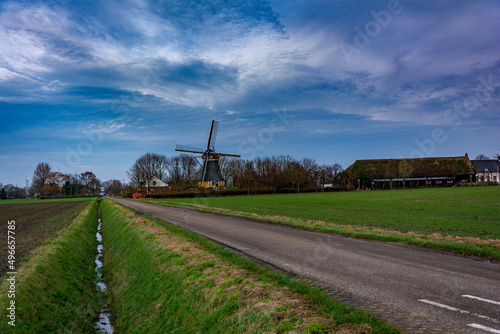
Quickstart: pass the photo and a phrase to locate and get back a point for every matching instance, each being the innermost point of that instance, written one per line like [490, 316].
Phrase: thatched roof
[410, 168]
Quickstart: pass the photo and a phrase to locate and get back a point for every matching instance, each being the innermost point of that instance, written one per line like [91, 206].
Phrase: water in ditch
[103, 324]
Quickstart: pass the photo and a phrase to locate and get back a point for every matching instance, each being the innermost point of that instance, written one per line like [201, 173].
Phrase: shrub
[128, 193]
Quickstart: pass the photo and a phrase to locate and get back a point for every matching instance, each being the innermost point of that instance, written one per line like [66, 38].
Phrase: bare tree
[482, 157]
[175, 170]
[188, 170]
[40, 175]
[272, 175]
[246, 176]
[107, 185]
[95, 185]
[311, 169]
[112, 187]
[337, 169]
[325, 174]
[229, 170]
[87, 179]
[298, 175]
[116, 188]
[147, 166]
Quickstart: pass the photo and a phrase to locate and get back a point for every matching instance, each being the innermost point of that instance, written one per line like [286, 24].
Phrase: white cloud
[40, 44]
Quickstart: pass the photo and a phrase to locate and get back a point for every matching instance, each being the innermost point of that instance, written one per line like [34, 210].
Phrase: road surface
[418, 289]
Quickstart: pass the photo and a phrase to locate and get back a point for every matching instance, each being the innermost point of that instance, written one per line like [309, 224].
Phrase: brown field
[35, 222]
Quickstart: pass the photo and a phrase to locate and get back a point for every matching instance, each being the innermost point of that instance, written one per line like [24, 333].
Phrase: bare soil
[34, 223]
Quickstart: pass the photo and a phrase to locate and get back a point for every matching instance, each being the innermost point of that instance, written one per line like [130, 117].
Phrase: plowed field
[35, 222]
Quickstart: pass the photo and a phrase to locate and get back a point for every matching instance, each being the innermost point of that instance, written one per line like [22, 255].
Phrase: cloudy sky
[92, 85]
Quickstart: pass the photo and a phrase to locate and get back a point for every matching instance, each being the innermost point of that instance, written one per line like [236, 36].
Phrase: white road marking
[484, 328]
[451, 308]
[482, 299]
[487, 318]
[442, 306]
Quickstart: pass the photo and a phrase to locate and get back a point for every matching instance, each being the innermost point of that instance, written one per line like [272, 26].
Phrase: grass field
[34, 222]
[462, 212]
[165, 279]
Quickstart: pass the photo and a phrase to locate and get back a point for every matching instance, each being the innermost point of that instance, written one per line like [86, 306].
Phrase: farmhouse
[155, 185]
[487, 170]
[419, 172]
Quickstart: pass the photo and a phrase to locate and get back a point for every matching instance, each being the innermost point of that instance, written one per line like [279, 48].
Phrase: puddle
[103, 325]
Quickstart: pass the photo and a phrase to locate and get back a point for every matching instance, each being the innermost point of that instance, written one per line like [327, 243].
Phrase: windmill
[211, 175]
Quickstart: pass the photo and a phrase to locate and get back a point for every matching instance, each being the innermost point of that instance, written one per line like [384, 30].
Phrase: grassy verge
[165, 279]
[36, 200]
[55, 290]
[463, 220]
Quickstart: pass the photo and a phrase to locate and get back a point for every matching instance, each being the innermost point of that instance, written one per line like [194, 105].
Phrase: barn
[400, 173]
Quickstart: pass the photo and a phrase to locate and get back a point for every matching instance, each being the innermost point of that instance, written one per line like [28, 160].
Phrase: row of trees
[275, 172]
[11, 191]
[47, 182]
[183, 171]
[279, 172]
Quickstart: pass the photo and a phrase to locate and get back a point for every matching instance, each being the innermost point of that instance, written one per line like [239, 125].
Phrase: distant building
[399, 173]
[487, 170]
[156, 186]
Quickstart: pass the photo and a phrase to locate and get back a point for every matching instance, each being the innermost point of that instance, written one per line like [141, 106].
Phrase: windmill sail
[213, 135]
[189, 149]
[219, 154]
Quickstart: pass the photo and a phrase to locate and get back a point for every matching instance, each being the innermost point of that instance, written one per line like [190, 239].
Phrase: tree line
[47, 183]
[283, 171]
[184, 172]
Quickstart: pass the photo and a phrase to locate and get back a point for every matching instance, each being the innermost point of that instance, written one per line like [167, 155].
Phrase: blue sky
[93, 85]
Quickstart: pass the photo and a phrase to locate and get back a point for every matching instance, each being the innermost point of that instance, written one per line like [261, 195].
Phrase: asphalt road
[418, 289]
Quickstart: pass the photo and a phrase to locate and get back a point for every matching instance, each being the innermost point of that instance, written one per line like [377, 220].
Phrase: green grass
[55, 292]
[36, 200]
[459, 211]
[155, 290]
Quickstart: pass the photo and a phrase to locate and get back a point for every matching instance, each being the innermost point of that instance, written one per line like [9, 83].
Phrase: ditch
[103, 323]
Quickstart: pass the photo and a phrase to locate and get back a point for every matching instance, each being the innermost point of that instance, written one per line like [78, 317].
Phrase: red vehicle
[137, 195]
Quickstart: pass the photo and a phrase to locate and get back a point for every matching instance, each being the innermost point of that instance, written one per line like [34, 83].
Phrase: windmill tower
[211, 175]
